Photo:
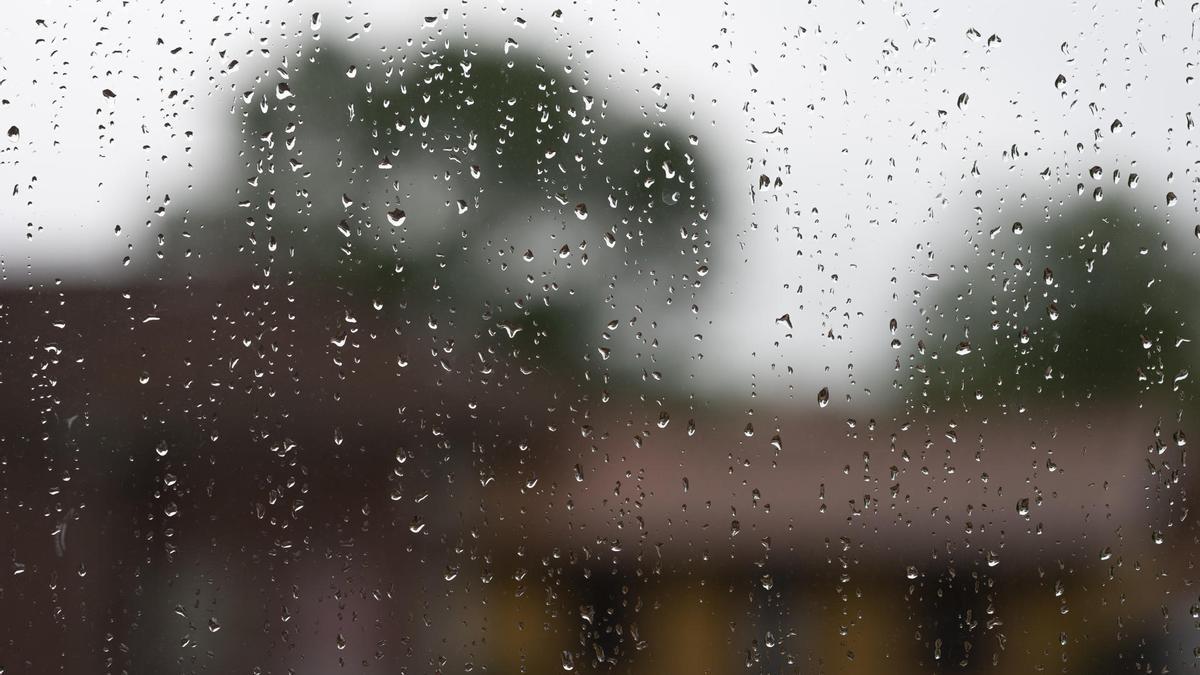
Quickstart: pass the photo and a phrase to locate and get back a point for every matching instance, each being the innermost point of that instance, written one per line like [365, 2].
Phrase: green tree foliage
[502, 188]
[1086, 301]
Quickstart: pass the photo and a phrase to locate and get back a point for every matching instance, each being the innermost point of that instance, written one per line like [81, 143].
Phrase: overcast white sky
[854, 89]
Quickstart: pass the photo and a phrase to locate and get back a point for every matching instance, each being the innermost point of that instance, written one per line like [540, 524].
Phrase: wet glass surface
[641, 338]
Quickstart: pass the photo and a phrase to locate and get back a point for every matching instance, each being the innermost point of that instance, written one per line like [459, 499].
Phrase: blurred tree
[1086, 303]
[492, 190]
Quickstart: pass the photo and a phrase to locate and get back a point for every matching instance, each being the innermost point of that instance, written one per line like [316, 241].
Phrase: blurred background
[541, 337]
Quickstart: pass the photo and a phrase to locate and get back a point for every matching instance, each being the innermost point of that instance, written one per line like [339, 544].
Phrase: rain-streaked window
[672, 338]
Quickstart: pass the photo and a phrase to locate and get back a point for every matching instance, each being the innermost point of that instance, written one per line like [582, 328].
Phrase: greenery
[1088, 303]
[465, 181]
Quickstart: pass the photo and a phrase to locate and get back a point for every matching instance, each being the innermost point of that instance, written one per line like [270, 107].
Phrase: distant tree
[496, 190]
[1085, 302]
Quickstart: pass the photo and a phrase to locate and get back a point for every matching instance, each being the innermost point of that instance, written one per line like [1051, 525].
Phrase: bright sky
[855, 106]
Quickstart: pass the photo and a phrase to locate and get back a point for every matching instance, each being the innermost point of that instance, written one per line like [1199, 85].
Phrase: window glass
[527, 337]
